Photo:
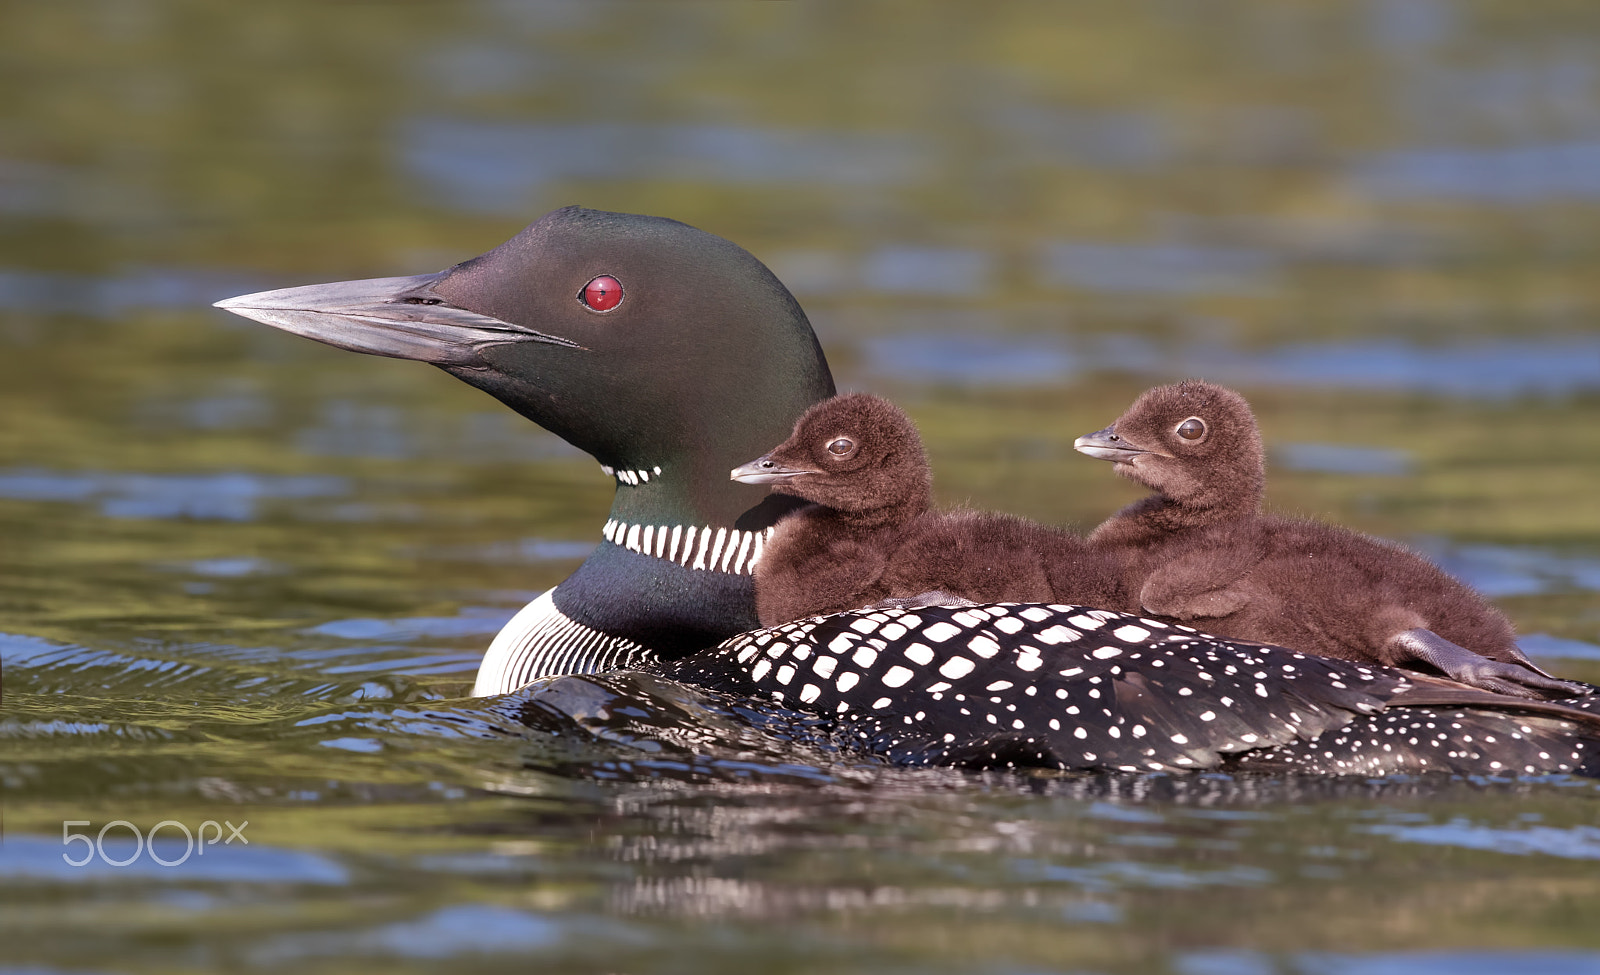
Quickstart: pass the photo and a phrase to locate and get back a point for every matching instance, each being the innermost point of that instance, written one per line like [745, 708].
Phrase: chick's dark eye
[602, 294]
[1192, 429]
[841, 447]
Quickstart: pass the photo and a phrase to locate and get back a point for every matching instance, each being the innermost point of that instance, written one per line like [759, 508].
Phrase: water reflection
[474, 621]
[1577, 842]
[115, 296]
[226, 497]
[480, 166]
[350, 429]
[1155, 268]
[465, 929]
[1477, 962]
[232, 568]
[1513, 176]
[926, 271]
[1545, 645]
[975, 358]
[1480, 370]
[1505, 570]
[1342, 459]
[32, 857]
[524, 550]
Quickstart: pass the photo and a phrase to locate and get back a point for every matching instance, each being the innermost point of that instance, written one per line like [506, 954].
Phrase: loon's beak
[1107, 445]
[398, 317]
[764, 470]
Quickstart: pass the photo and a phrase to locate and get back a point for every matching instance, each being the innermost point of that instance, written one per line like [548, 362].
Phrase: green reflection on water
[1233, 179]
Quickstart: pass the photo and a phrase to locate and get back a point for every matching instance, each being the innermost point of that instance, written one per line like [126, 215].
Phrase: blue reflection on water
[1231, 961]
[233, 568]
[480, 166]
[464, 928]
[474, 621]
[1033, 133]
[349, 429]
[1155, 268]
[220, 497]
[1487, 369]
[926, 271]
[974, 359]
[1475, 962]
[102, 296]
[1225, 961]
[1505, 570]
[33, 856]
[894, 269]
[365, 746]
[1545, 645]
[459, 929]
[1573, 843]
[1514, 175]
[17, 649]
[223, 411]
[1342, 459]
[1404, 26]
[529, 550]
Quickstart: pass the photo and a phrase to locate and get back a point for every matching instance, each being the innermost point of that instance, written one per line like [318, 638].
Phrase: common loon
[1201, 550]
[671, 356]
[873, 539]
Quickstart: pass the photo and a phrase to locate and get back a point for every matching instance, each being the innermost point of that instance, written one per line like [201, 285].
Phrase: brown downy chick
[859, 460]
[872, 536]
[1200, 549]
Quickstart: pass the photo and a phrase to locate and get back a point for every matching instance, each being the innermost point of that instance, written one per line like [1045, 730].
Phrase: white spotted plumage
[1064, 687]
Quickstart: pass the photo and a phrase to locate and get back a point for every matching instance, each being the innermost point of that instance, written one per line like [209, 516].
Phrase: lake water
[245, 579]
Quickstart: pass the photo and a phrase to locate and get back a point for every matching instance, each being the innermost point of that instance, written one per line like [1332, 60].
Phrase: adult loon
[672, 356]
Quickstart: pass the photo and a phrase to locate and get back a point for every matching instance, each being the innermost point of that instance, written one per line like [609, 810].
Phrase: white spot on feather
[897, 675]
[957, 667]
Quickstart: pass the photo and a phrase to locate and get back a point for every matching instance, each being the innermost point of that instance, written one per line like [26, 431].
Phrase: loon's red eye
[602, 294]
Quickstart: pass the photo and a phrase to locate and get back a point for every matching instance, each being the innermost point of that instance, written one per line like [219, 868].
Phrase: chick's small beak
[764, 470]
[1107, 445]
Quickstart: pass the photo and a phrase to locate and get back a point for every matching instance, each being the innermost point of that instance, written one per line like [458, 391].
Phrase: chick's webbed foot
[1460, 664]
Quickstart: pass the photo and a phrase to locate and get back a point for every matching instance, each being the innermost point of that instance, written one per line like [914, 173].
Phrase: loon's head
[856, 453]
[667, 353]
[1194, 442]
[652, 345]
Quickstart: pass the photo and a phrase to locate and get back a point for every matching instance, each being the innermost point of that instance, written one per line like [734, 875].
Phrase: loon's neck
[671, 576]
[675, 572]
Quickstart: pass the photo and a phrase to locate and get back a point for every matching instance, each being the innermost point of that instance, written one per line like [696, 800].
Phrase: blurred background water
[245, 577]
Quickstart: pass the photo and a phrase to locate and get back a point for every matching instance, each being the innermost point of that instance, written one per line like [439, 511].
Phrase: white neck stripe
[635, 477]
[725, 550]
